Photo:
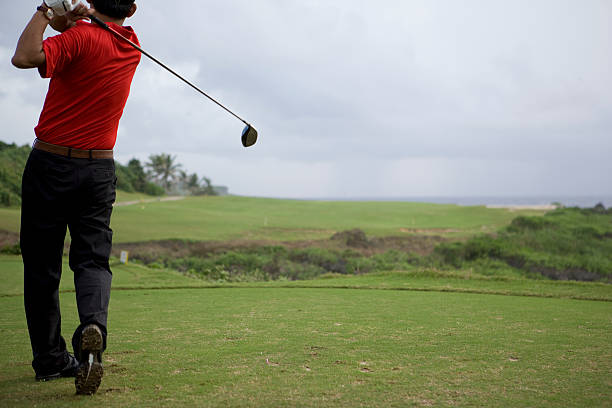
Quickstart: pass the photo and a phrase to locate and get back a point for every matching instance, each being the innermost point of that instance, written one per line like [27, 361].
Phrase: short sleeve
[60, 50]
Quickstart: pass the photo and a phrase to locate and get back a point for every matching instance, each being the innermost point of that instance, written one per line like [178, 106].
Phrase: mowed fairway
[229, 218]
[315, 347]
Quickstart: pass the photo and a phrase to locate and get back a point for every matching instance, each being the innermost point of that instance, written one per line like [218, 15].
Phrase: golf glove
[60, 7]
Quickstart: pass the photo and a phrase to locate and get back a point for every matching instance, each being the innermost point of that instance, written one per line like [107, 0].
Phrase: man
[69, 179]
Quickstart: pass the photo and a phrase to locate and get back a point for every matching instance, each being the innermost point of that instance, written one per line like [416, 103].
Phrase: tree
[132, 178]
[193, 184]
[163, 169]
[207, 188]
[12, 161]
[139, 178]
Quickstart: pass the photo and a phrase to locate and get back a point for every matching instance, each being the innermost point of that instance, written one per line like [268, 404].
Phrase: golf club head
[249, 136]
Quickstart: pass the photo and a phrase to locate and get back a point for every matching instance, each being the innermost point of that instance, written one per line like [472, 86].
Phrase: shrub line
[351, 287]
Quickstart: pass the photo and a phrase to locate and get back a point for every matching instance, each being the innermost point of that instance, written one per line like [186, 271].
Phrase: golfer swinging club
[69, 179]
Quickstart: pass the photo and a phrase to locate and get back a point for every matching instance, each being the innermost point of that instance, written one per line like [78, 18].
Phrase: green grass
[124, 277]
[225, 218]
[315, 347]
[10, 219]
[124, 196]
[416, 337]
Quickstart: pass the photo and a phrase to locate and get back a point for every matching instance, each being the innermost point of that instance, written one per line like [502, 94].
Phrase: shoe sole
[46, 378]
[89, 375]
[88, 380]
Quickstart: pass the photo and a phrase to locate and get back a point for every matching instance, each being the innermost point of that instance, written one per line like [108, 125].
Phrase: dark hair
[113, 8]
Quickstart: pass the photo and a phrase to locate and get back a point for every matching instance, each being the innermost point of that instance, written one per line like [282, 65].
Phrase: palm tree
[182, 181]
[207, 187]
[163, 169]
[193, 184]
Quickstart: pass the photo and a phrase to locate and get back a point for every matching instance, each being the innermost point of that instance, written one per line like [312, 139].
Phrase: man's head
[118, 9]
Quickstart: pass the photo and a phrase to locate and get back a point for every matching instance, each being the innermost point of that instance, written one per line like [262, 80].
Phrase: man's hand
[79, 12]
[60, 7]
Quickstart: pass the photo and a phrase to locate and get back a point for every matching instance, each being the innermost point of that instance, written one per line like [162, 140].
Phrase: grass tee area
[323, 346]
[468, 332]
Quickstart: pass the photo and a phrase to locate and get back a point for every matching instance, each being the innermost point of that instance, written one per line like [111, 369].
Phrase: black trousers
[59, 193]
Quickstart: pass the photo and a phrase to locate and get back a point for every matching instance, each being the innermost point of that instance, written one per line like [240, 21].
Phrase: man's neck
[107, 19]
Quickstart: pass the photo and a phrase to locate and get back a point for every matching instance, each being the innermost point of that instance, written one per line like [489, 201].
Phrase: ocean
[567, 201]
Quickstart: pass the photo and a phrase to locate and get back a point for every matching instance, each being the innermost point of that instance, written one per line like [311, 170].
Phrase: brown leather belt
[70, 152]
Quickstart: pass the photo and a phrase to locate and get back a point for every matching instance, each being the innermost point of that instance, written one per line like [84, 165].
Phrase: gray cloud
[358, 98]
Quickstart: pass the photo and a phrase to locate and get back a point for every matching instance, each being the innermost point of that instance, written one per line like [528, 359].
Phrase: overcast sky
[390, 98]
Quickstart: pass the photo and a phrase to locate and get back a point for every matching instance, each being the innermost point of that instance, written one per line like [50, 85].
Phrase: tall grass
[566, 244]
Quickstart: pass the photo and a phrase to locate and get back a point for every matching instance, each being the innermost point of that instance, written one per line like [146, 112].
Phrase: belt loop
[70, 152]
[90, 155]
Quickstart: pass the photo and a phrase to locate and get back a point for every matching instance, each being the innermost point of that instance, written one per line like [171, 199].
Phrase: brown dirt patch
[354, 240]
[8, 238]
[428, 230]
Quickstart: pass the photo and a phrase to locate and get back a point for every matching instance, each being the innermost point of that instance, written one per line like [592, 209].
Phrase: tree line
[12, 162]
[160, 175]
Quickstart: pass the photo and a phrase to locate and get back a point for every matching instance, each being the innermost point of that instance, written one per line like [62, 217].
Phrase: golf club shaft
[108, 28]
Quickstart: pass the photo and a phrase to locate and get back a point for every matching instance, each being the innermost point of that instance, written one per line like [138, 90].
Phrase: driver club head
[249, 136]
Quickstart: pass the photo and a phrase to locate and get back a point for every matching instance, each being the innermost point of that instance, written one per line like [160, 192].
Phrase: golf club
[249, 134]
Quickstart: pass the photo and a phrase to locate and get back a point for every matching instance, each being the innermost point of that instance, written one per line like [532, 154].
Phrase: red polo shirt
[91, 72]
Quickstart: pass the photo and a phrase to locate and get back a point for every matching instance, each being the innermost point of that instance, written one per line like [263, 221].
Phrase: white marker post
[124, 257]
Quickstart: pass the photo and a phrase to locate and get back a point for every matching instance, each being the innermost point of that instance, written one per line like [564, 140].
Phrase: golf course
[306, 204]
[416, 333]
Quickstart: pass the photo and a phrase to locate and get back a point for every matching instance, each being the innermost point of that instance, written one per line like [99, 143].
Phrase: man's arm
[29, 52]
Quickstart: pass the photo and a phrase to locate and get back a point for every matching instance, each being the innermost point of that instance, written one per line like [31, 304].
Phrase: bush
[567, 243]
[277, 262]
[153, 189]
[450, 253]
[483, 247]
[124, 178]
[14, 249]
[132, 178]
[12, 162]
[329, 260]
[529, 223]
[8, 198]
